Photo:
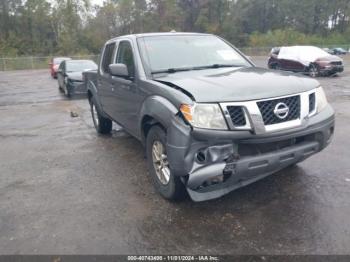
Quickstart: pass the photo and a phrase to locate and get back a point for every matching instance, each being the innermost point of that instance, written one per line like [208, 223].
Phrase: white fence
[19, 63]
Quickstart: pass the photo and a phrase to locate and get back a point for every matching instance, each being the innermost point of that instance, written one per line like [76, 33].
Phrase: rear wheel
[102, 125]
[168, 185]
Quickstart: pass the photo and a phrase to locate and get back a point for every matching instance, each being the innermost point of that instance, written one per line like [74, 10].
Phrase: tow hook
[230, 167]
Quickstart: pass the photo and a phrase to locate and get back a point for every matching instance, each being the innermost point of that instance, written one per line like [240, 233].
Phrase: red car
[306, 59]
[55, 63]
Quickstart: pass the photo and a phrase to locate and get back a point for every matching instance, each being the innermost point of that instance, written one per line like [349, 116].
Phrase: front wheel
[168, 185]
[313, 70]
[102, 125]
[60, 88]
[66, 91]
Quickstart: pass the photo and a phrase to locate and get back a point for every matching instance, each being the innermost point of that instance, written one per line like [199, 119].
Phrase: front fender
[158, 108]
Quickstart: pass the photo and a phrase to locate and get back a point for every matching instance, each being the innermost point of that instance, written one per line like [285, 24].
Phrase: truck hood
[237, 84]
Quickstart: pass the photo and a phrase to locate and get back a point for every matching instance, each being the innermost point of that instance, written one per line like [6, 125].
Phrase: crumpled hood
[238, 84]
[76, 76]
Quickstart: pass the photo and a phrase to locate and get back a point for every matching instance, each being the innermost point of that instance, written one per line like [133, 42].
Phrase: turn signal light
[186, 110]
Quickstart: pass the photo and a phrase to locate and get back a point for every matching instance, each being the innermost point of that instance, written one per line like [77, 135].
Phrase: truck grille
[312, 103]
[237, 115]
[267, 107]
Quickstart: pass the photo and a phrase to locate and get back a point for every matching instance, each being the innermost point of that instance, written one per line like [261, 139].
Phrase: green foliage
[289, 36]
[43, 27]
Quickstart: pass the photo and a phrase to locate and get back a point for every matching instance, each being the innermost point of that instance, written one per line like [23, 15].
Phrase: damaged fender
[158, 108]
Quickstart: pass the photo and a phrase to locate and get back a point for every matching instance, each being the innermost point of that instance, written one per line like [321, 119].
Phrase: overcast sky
[96, 2]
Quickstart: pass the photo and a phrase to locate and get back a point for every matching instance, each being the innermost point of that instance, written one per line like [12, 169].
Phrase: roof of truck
[157, 34]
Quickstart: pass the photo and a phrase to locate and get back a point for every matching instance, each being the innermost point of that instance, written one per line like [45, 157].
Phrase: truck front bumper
[214, 163]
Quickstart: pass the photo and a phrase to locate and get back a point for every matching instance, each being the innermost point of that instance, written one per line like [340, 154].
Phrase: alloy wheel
[160, 162]
[94, 114]
[313, 71]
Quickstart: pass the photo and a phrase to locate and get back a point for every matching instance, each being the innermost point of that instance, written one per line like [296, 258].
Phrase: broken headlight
[204, 116]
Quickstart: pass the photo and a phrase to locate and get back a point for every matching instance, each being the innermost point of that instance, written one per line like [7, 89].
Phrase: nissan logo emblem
[281, 110]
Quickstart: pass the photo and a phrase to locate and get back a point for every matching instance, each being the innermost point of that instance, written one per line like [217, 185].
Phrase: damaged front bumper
[214, 163]
[331, 69]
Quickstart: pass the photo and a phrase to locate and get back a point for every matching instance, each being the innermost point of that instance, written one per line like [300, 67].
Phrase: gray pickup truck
[210, 120]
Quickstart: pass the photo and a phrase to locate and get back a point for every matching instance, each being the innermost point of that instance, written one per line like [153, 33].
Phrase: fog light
[200, 157]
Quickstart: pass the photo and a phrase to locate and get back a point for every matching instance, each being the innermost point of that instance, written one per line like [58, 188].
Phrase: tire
[60, 88]
[313, 71]
[170, 187]
[102, 125]
[66, 92]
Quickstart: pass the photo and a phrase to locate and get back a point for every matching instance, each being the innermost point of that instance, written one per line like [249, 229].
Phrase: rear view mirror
[118, 70]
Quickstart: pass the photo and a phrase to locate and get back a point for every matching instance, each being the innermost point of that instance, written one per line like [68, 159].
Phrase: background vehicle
[209, 119]
[338, 51]
[55, 63]
[306, 59]
[329, 51]
[70, 78]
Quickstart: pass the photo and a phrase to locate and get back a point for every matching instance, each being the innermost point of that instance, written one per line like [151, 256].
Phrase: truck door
[126, 97]
[104, 79]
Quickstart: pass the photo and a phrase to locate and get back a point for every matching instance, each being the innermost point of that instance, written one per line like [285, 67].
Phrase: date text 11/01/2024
[173, 258]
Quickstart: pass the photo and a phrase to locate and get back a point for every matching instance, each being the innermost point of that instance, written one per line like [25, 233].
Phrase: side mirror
[118, 70]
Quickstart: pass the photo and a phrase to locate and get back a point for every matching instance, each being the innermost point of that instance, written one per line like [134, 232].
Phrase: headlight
[321, 99]
[204, 116]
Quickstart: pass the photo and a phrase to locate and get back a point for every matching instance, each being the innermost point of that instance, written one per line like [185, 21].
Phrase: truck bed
[90, 76]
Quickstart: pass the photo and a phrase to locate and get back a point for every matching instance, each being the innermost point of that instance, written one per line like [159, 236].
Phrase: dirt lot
[66, 190]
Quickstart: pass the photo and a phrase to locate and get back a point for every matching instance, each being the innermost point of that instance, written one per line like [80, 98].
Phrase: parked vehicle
[55, 63]
[329, 51]
[70, 77]
[210, 120]
[338, 51]
[305, 59]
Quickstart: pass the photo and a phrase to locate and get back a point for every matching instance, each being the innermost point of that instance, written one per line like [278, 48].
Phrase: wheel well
[89, 95]
[146, 124]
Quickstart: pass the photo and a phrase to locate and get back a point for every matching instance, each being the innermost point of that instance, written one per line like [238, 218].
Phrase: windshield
[79, 66]
[187, 51]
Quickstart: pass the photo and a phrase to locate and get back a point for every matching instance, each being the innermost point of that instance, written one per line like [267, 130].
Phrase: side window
[125, 56]
[107, 57]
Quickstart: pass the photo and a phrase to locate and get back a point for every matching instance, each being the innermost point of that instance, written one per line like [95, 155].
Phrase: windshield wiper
[215, 66]
[181, 69]
[173, 70]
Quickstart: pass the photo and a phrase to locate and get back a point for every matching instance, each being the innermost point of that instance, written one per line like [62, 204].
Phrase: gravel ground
[66, 190]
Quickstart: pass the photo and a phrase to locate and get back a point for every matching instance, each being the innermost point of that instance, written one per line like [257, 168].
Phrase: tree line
[44, 27]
